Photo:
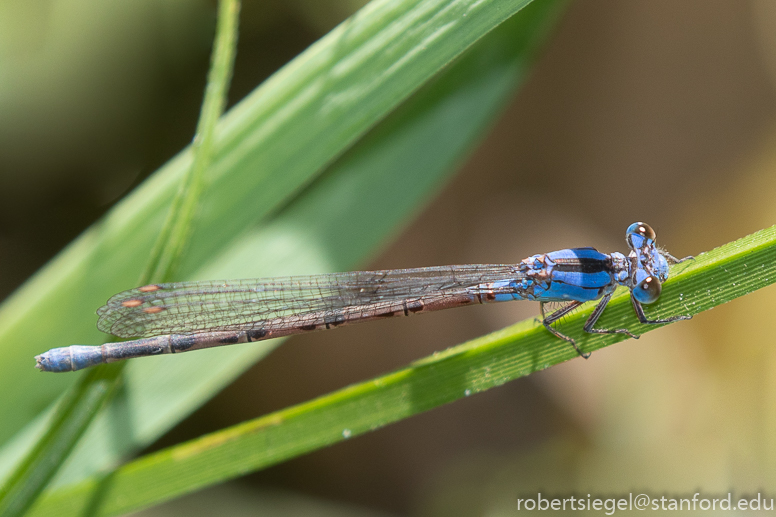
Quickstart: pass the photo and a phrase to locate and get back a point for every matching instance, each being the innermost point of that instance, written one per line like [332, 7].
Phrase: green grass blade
[176, 231]
[82, 402]
[333, 224]
[72, 417]
[713, 278]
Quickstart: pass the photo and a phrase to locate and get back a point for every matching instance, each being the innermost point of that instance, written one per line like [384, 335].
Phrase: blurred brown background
[659, 111]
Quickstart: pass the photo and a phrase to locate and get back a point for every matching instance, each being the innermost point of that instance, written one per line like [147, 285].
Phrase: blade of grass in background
[174, 236]
[82, 401]
[334, 224]
[713, 278]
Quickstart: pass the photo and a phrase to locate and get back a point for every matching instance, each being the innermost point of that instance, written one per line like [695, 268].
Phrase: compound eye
[642, 230]
[648, 291]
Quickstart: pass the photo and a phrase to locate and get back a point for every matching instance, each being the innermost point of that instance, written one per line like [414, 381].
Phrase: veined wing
[188, 307]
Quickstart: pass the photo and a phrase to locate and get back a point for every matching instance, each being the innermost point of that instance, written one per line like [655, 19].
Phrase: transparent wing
[186, 307]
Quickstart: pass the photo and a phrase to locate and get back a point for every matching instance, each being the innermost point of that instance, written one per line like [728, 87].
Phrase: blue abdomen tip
[68, 359]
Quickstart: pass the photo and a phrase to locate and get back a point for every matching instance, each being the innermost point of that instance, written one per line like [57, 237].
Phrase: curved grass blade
[176, 232]
[713, 278]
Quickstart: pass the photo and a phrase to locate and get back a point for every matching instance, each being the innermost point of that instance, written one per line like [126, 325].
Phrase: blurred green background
[641, 110]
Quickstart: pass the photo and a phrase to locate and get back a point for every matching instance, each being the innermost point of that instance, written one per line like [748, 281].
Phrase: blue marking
[560, 292]
[591, 280]
[506, 297]
[578, 253]
[515, 285]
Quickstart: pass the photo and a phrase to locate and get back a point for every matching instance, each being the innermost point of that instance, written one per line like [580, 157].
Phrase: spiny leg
[547, 321]
[643, 317]
[599, 309]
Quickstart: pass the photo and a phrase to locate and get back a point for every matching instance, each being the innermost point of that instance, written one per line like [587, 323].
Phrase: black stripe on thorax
[583, 265]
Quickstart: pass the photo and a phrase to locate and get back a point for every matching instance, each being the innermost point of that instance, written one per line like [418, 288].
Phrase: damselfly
[179, 317]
